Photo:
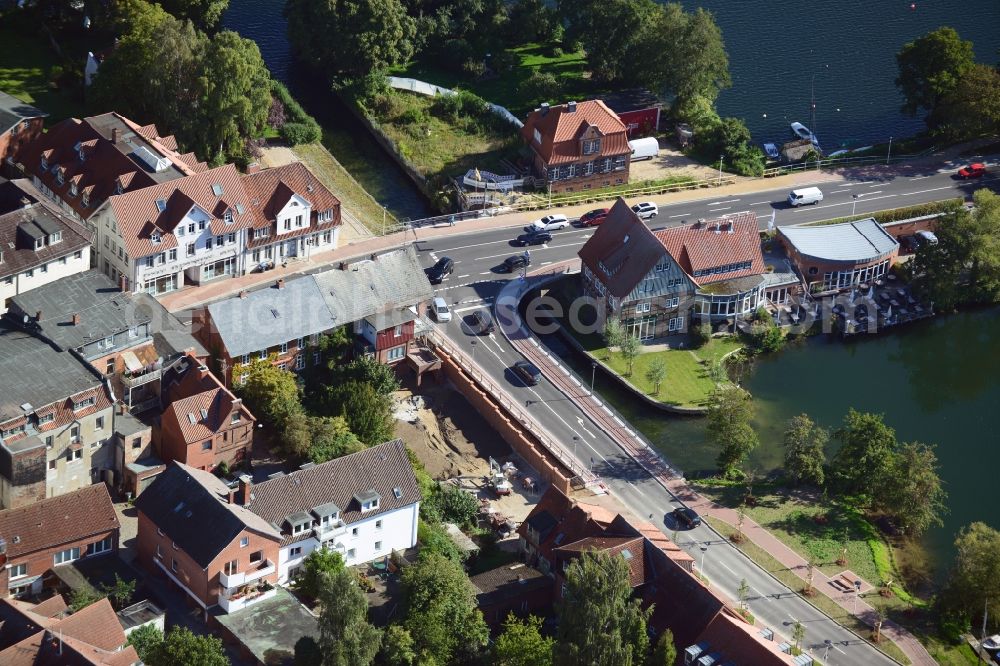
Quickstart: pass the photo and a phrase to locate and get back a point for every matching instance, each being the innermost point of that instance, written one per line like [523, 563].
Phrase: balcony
[230, 581]
[140, 380]
[239, 601]
[330, 530]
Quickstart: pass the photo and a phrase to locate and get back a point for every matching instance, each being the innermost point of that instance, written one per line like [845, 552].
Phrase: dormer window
[72, 189]
[81, 154]
[85, 199]
[83, 404]
[55, 237]
[368, 500]
[591, 146]
[39, 243]
[44, 163]
[60, 175]
[300, 522]
[228, 216]
[156, 238]
[118, 187]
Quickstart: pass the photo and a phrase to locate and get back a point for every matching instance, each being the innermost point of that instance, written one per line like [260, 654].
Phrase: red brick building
[232, 565]
[512, 588]
[55, 531]
[578, 146]
[204, 424]
[20, 123]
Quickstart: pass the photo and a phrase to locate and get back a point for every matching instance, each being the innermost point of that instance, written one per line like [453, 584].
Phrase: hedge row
[300, 126]
[899, 214]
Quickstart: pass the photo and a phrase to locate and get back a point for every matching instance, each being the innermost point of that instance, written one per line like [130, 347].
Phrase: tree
[350, 38]
[441, 611]
[522, 643]
[318, 564]
[599, 621]
[454, 505]
[665, 652]
[270, 392]
[205, 13]
[83, 597]
[805, 455]
[655, 374]
[614, 332]
[145, 639]
[183, 647]
[307, 652]
[930, 68]
[914, 494]
[235, 95]
[972, 108]
[974, 579]
[120, 592]
[434, 540]
[630, 348]
[346, 637]
[864, 461]
[532, 21]
[743, 593]
[729, 415]
[331, 438]
[540, 86]
[368, 412]
[397, 647]
[798, 634]
[367, 369]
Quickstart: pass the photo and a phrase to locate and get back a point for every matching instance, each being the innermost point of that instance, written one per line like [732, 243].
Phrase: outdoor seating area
[882, 304]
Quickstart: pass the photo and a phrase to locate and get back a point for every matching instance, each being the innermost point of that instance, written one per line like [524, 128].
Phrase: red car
[972, 171]
[594, 217]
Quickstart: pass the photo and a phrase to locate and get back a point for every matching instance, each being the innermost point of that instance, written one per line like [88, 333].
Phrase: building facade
[578, 146]
[839, 256]
[59, 530]
[20, 123]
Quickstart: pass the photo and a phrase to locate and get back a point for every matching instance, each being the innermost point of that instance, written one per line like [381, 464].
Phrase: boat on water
[803, 132]
[771, 150]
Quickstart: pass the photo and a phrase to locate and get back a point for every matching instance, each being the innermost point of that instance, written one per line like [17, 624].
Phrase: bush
[700, 334]
[413, 116]
[905, 213]
[299, 133]
[541, 86]
[474, 67]
[435, 540]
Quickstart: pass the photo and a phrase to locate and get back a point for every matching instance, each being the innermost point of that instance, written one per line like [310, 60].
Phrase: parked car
[518, 261]
[594, 217]
[534, 238]
[482, 322]
[646, 210]
[972, 170]
[528, 373]
[549, 223]
[440, 310]
[926, 238]
[442, 269]
[687, 517]
[804, 196]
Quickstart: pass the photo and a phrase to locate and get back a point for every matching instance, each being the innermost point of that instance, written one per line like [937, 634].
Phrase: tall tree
[522, 643]
[805, 455]
[346, 638]
[930, 68]
[972, 108]
[397, 647]
[145, 639]
[183, 647]
[974, 581]
[665, 652]
[864, 461]
[914, 492]
[655, 374]
[599, 621]
[614, 332]
[441, 611]
[350, 38]
[367, 412]
[630, 348]
[235, 95]
[204, 13]
[730, 412]
[331, 437]
[701, 66]
[318, 565]
[270, 392]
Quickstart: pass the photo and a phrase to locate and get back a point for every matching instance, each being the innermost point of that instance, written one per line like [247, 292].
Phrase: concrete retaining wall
[512, 432]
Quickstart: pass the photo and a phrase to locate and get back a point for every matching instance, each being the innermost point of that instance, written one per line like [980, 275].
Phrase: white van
[440, 310]
[807, 195]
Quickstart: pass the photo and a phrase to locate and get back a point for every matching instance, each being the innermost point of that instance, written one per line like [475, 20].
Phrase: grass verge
[338, 180]
[764, 559]
[897, 214]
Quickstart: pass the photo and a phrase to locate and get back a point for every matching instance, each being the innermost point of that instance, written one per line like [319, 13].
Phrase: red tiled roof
[58, 520]
[736, 640]
[271, 189]
[625, 246]
[698, 247]
[659, 540]
[616, 546]
[195, 391]
[572, 521]
[561, 129]
[138, 216]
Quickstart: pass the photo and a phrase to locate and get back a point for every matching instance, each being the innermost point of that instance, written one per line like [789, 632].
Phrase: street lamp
[576, 439]
[888, 152]
[857, 593]
[704, 557]
[474, 351]
[593, 373]
[826, 655]
[855, 204]
[720, 169]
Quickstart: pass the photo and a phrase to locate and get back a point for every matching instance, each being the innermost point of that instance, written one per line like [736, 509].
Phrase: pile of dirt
[446, 434]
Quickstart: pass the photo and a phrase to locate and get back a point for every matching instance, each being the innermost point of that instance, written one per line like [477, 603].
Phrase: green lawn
[332, 174]
[25, 64]
[820, 601]
[505, 89]
[436, 146]
[691, 373]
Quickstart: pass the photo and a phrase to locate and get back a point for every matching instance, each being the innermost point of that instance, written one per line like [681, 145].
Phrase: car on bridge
[549, 223]
[687, 517]
[594, 217]
[527, 372]
[439, 271]
[972, 171]
[517, 262]
[534, 238]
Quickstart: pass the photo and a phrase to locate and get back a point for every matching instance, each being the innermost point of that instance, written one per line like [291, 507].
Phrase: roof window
[161, 205]
[217, 189]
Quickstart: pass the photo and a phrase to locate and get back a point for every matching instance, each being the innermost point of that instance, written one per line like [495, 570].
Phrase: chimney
[253, 167]
[343, 266]
[570, 107]
[76, 319]
[38, 316]
[123, 284]
[280, 284]
[25, 202]
[545, 108]
[243, 293]
[244, 492]
[232, 496]
[114, 135]
[121, 408]
[203, 371]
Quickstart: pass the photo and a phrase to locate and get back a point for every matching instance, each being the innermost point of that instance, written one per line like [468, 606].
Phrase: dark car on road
[534, 238]
[972, 171]
[527, 372]
[482, 322]
[594, 217]
[439, 271]
[518, 261]
[687, 517]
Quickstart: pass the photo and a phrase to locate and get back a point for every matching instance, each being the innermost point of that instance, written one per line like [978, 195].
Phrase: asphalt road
[475, 285]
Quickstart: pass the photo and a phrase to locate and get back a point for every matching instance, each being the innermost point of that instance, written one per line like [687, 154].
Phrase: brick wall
[42, 560]
[229, 445]
[519, 439]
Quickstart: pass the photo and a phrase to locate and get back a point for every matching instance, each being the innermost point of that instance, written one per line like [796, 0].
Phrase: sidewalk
[654, 464]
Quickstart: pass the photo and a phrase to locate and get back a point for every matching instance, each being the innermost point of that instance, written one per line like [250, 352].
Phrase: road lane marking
[486, 273]
[919, 177]
[716, 203]
[681, 215]
[759, 203]
[716, 210]
[846, 189]
[875, 185]
[933, 189]
[462, 276]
